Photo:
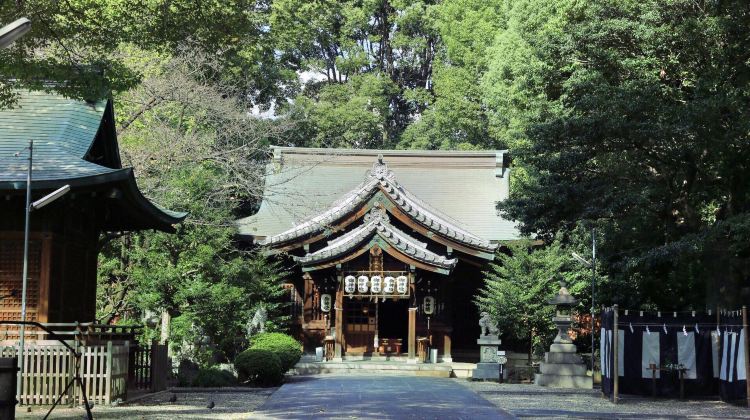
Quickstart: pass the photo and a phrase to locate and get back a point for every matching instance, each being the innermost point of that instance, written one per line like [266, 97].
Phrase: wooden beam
[412, 335]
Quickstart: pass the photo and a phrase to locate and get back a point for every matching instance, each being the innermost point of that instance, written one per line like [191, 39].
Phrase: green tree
[632, 115]
[518, 286]
[195, 149]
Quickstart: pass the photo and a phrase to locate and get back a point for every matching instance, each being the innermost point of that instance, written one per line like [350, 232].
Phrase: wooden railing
[87, 332]
[150, 367]
[48, 369]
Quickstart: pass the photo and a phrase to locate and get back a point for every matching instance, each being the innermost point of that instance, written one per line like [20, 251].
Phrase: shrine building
[75, 144]
[387, 247]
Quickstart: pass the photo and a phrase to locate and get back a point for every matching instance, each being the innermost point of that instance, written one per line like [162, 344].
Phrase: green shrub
[260, 367]
[213, 377]
[284, 346]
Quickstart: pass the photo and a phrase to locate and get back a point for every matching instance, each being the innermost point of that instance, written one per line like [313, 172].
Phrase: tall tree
[633, 115]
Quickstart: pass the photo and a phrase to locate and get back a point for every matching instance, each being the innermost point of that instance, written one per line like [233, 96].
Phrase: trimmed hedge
[213, 378]
[288, 350]
[260, 367]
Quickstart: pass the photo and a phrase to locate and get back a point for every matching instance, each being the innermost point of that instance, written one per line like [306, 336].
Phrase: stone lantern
[562, 366]
[564, 303]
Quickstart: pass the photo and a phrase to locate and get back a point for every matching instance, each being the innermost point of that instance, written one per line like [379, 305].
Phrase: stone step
[562, 358]
[568, 369]
[562, 348]
[373, 368]
[564, 381]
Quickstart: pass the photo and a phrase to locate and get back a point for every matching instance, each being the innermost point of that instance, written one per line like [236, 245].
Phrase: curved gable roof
[308, 190]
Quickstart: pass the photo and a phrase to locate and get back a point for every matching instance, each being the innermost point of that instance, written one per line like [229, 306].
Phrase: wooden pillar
[747, 354]
[412, 335]
[339, 309]
[447, 348]
[615, 363]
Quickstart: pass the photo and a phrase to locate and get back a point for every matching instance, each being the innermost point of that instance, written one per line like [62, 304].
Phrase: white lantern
[401, 282]
[350, 284]
[429, 305]
[390, 285]
[376, 284]
[362, 282]
[325, 303]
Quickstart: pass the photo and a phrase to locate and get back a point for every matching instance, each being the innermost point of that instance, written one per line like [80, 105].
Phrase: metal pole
[24, 280]
[593, 296]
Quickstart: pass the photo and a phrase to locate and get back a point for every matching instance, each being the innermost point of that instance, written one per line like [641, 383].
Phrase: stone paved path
[371, 397]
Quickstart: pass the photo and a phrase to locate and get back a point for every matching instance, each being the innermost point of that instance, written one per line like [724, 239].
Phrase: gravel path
[531, 401]
[229, 404]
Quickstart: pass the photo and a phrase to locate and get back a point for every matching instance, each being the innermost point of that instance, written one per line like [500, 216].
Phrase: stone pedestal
[562, 366]
[488, 366]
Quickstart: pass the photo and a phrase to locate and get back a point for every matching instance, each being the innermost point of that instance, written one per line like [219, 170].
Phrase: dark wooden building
[388, 246]
[75, 143]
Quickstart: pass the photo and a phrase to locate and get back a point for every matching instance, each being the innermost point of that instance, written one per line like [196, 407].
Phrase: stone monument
[562, 366]
[489, 343]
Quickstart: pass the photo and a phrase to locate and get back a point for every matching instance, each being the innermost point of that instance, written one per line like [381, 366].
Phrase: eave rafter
[376, 231]
[398, 201]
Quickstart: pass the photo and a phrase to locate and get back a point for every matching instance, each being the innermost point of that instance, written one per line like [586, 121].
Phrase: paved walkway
[371, 397]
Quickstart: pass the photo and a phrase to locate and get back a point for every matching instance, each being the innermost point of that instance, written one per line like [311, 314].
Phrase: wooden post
[412, 334]
[447, 348]
[108, 374]
[615, 363]
[339, 308]
[747, 354]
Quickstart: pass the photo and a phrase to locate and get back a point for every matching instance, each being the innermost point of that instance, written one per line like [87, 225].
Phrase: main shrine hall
[386, 248]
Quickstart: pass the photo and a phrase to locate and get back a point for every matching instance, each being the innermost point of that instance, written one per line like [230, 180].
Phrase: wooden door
[360, 326]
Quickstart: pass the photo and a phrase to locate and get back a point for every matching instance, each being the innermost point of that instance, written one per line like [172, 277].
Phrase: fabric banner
[686, 353]
[741, 372]
[666, 340]
[650, 354]
[715, 350]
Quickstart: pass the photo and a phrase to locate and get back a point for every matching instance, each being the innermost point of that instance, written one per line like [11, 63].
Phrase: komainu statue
[487, 325]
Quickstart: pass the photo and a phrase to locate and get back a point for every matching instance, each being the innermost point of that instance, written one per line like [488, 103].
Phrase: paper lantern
[401, 285]
[325, 303]
[376, 284]
[429, 305]
[350, 284]
[390, 285]
[362, 282]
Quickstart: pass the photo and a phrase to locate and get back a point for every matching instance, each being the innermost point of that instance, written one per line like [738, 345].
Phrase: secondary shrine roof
[75, 144]
[454, 193]
[362, 238]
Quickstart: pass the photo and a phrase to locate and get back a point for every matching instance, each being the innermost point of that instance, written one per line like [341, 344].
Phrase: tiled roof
[64, 131]
[380, 177]
[307, 190]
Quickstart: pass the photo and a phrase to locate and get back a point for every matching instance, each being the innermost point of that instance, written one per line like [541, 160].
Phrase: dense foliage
[284, 346]
[518, 286]
[630, 117]
[259, 367]
[213, 378]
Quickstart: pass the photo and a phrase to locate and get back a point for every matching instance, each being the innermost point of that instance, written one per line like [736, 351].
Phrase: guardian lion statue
[487, 325]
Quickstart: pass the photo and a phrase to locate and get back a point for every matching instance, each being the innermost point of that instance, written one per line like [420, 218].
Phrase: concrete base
[490, 371]
[563, 368]
[564, 381]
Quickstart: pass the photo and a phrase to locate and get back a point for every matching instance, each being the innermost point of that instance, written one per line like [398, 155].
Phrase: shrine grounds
[370, 397]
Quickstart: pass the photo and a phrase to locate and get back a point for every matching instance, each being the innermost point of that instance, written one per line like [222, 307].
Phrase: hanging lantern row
[376, 285]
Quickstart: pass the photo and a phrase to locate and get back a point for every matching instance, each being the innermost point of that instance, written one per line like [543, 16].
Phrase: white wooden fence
[49, 368]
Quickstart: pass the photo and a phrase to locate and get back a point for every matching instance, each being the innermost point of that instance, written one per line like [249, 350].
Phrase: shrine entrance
[393, 326]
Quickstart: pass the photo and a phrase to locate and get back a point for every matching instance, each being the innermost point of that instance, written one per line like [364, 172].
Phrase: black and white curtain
[712, 356]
